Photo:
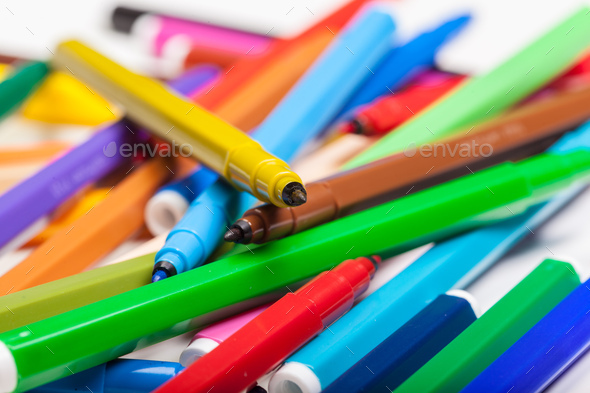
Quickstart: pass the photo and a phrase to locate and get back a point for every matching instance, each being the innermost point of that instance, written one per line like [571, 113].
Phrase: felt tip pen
[386, 113]
[41, 193]
[405, 62]
[544, 352]
[410, 347]
[485, 338]
[209, 338]
[159, 30]
[501, 326]
[220, 146]
[19, 85]
[244, 72]
[515, 135]
[116, 376]
[143, 316]
[454, 263]
[263, 343]
[62, 99]
[485, 96]
[302, 114]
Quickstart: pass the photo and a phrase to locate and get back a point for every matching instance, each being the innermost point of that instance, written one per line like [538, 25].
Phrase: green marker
[101, 331]
[485, 96]
[492, 334]
[43, 301]
[18, 85]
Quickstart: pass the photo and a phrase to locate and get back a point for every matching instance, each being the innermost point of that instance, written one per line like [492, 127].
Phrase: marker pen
[485, 96]
[410, 347]
[544, 352]
[281, 329]
[299, 117]
[405, 62]
[144, 316]
[501, 326]
[209, 338]
[116, 376]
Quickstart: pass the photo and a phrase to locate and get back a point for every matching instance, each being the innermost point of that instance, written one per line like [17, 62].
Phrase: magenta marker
[168, 36]
[207, 339]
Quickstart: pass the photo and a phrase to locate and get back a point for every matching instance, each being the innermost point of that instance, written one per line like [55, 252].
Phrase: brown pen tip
[233, 235]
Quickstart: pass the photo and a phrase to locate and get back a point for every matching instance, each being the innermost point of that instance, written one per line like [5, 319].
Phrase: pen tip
[351, 127]
[159, 275]
[233, 235]
[298, 197]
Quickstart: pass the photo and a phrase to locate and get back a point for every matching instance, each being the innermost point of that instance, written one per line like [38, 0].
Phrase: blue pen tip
[159, 275]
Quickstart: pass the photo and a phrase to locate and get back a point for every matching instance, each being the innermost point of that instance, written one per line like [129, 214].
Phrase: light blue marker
[304, 112]
[405, 62]
[454, 263]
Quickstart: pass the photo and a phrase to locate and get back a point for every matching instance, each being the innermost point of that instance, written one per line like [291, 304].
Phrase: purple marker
[24, 207]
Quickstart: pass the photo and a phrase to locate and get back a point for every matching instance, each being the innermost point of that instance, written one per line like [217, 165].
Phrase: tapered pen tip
[233, 235]
[298, 197]
[159, 275]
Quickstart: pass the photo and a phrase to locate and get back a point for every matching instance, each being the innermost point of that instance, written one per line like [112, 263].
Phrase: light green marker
[485, 96]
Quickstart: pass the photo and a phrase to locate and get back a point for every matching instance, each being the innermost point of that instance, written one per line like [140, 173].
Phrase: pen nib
[233, 235]
[298, 197]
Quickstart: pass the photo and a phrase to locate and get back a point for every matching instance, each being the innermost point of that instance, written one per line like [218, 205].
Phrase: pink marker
[207, 339]
[173, 38]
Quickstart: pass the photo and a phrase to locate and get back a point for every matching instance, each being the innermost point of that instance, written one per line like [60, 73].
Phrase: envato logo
[172, 149]
[463, 150]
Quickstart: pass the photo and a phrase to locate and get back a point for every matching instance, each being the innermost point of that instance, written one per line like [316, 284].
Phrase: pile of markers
[265, 262]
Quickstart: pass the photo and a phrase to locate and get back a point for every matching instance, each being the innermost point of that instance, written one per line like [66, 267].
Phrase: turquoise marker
[302, 114]
[454, 263]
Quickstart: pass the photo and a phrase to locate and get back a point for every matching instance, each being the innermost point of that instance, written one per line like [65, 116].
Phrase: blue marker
[404, 62]
[304, 112]
[410, 347]
[454, 263]
[116, 376]
[544, 352]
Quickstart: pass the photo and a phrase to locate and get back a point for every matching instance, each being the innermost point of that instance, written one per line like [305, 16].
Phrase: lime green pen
[101, 331]
[18, 85]
[43, 301]
[485, 96]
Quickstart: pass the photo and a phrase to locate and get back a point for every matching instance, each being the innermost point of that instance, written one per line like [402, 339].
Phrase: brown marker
[522, 132]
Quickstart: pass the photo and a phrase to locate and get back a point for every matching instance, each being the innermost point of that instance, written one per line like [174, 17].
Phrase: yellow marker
[223, 148]
[4, 70]
[63, 99]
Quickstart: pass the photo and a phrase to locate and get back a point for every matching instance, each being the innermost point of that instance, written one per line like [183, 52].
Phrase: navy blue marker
[410, 347]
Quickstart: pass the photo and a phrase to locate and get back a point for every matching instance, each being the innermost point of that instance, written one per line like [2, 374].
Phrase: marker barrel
[279, 330]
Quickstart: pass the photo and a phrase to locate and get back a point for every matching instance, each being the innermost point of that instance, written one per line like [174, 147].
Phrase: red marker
[277, 332]
[384, 114]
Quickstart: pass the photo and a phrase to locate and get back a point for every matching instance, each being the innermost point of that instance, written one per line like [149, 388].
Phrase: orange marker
[36, 152]
[67, 218]
[256, 98]
[92, 236]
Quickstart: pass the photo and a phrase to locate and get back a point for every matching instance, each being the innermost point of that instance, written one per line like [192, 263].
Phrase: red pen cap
[334, 291]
